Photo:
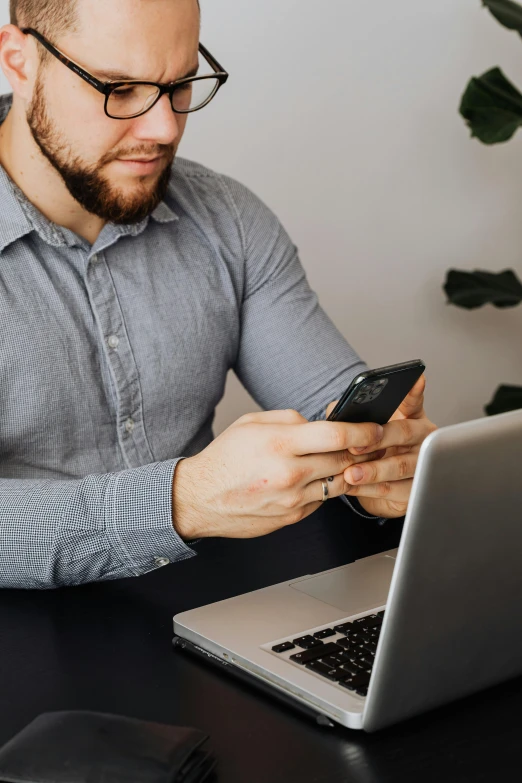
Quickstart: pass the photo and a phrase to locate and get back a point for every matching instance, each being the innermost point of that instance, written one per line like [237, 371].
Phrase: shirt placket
[115, 343]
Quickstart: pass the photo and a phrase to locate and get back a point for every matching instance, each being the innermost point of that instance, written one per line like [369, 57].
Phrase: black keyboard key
[316, 652]
[278, 648]
[353, 655]
[358, 638]
[353, 648]
[337, 659]
[360, 680]
[325, 633]
[352, 668]
[362, 691]
[332, 660]
[343, 628]
[346, 643]
[360, 635]
[360, 649]
[319, 667]
[345, 657]
[307, 641]
[381, 613]
[373, 621]
[368, 660]
[364, 638]
[338, 674]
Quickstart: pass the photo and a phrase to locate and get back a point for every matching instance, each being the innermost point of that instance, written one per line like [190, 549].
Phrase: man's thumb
[412, 407]
[331, 407]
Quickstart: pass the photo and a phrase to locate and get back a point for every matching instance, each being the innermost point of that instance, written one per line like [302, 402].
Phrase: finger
[319, 437]
[403, 432]
[287, 416]
[330, 407]
[319, 466]
[389, 469]
[397, 491]
[394, 450]
[314, 491]
[412, 407]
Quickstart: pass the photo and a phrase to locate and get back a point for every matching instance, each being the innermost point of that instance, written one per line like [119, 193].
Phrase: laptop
[390, 636]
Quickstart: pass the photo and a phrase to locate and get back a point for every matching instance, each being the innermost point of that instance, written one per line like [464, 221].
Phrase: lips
[140, 160]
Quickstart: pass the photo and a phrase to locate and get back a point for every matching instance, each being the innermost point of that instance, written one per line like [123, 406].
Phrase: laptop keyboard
[342, 653]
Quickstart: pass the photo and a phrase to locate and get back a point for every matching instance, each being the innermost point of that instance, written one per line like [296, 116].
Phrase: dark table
[107, 647]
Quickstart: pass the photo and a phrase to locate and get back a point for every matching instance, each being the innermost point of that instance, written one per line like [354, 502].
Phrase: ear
[18, 60]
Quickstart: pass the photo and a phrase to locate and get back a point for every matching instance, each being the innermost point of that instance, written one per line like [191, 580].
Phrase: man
[129, 286]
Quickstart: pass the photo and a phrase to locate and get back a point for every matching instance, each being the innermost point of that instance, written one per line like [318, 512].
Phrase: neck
[24, 162]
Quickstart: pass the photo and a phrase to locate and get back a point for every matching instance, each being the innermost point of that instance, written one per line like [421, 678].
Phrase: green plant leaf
[507, 398]
[506, 12]
[475, 289]
[492, 107]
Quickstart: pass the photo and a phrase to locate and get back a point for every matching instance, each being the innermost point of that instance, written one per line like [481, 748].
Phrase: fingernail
[360, 449]
[357, 474]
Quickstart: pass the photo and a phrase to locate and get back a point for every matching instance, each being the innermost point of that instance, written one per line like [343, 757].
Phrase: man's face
[154, 40]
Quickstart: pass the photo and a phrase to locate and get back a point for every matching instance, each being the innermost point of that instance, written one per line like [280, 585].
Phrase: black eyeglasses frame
[106, 88]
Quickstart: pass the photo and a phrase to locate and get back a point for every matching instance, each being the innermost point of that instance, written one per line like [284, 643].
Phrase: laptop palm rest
[353, 588]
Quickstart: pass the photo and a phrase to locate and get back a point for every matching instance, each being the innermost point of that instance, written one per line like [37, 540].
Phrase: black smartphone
[375, 395]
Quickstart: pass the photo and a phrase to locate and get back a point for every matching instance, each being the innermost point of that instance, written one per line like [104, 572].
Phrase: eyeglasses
[125, 100]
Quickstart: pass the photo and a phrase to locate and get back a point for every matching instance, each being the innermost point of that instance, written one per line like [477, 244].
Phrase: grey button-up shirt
[113, 357]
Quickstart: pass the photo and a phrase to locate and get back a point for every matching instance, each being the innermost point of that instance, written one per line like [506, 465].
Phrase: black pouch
[92, 747]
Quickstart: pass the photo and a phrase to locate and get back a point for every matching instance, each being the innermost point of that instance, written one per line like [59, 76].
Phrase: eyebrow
[120, 76]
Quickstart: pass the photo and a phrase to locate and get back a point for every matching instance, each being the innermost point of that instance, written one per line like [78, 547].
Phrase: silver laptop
[396, 634]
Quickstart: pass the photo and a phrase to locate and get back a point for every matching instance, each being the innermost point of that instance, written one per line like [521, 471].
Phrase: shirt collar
[19, 216]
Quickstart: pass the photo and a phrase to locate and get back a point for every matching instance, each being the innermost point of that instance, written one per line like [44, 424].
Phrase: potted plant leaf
[492, 108]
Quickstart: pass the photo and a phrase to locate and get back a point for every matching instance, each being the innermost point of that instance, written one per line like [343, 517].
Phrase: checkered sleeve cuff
[139, 518]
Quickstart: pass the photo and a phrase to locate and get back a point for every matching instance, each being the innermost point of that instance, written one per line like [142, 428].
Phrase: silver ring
[325, 490]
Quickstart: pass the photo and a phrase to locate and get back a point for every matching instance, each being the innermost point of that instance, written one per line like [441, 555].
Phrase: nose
[160, 124]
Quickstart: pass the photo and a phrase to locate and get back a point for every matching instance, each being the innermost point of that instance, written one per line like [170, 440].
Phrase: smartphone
[375, 395]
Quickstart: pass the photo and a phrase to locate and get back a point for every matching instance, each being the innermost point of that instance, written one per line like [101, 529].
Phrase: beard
[87, 184]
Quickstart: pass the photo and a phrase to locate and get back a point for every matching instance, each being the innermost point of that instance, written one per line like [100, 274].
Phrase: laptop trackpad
[354, 588]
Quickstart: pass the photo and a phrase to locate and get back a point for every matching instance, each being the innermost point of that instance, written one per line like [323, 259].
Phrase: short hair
[50, 17]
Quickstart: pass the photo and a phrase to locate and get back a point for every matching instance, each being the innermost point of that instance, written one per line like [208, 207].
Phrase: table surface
[107, 647]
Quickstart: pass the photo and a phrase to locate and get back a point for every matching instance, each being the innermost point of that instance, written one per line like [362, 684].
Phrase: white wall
[342, 116]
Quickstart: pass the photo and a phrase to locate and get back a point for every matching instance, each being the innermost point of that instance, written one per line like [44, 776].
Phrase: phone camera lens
[370, 391]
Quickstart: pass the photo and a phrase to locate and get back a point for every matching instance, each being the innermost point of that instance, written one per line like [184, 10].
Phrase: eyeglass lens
[132, 99]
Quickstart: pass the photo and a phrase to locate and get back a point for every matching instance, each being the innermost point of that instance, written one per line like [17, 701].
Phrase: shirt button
[129, 425]
[95, 259]
[113, 341]
[161, 561]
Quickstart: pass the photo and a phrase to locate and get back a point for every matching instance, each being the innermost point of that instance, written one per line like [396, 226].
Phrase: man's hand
[265, 472]
[383, 486]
